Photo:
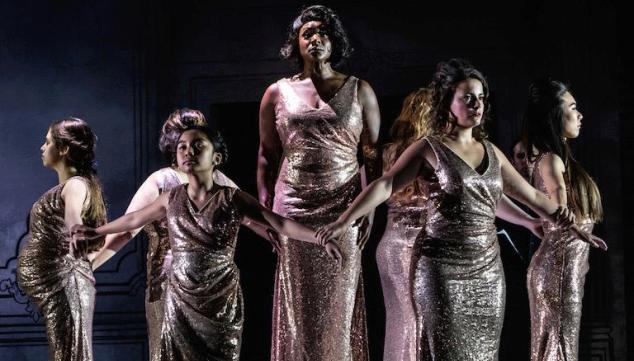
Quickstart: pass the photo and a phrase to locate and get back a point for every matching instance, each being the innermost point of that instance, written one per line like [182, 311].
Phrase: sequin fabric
[62, 286]
[393, 257]
[159, 257]
[203, 299]
[458, 286]
[556, 277]
[319, 309]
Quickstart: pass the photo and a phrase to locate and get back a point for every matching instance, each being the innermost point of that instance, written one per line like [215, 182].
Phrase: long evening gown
[393, 256]
[459, 288]
[159, 258]
[202, 299]
[556, 276]
[319, 309]
[62, 286]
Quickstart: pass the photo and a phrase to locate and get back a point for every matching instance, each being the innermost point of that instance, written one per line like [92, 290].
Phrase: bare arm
[74, 195]
[270, 152]
[510, 212]
[370, 136]
[257, 213]
[145, 195]
[405, 170]
[517, 187]
[154, 211]
[264, 217]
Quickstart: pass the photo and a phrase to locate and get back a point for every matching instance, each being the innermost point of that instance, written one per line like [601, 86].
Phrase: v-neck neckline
[193, 208]
[320, 99]
[486, 157]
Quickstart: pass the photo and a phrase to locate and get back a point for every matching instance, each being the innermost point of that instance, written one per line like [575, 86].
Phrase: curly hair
[444, 82]
[75, 135]
[216, 139]
[341, 48]
[542, 130]
[411, 125]
[176, 122]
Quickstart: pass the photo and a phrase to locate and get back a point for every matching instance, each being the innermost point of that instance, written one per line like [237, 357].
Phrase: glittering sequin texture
[159, 258]
[319, 310]
[556, 277]
[203, 300]
[458, 286]
[62, 286]
[393, 256]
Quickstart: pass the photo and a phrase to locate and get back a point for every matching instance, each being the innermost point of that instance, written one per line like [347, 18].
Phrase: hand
[274, 239]
[564, 217]
[536, 228]
[81, 239]
[590, 238]
[365, 228]
[334, 252]
[331, 231]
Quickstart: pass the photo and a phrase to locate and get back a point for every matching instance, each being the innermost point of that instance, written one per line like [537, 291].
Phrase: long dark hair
[444, 82]
[542, 132]
[76, 135]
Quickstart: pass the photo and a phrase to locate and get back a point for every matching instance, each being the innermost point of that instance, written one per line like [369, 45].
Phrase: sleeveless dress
[62, 286]
[393, 257]
[203, 299]
[556, 277]
[318, 309]
[159, 258]
[459, 289]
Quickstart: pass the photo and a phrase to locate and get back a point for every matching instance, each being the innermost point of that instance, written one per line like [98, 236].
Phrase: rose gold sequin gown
[203, 299]
[393, 256]
[159, 258]
[459, 288]
[319, 309]
[556, 277]
[62, 286]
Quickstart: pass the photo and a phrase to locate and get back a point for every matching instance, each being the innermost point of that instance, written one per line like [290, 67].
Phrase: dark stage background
[124, 66]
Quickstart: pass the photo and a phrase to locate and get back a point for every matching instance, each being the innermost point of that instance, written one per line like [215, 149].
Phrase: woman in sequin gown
[56, 276]
[312, 128]
[458, 281]
[404, 222]
[202, 300]
[557, 272]
[158, 251]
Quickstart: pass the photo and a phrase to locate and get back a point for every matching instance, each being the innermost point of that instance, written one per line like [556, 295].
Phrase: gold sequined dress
[319, 309]
[556, 277]
[62, 286]
[203, 299]
[459, 289]
[393, 257]
[159, 258]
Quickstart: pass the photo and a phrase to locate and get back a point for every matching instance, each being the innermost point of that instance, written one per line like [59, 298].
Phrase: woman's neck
[64, 172]
[201, 182]
[317, 70]
[461, 135]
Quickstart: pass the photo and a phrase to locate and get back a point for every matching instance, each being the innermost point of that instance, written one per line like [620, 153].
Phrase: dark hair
[214, 137]
[341, 48]
[75, 135]
[174, 126]
[542, 130]
[444, 82]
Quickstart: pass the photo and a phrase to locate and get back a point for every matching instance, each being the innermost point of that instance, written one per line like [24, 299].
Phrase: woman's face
[51, 155]
[195, 153]
[571, 118]
[467, 105]
[314, 43]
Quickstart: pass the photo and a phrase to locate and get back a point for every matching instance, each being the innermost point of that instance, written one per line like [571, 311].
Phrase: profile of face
[314, 43]
[51, 155]
[467, 105]
[195, 153]
[571, 117]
